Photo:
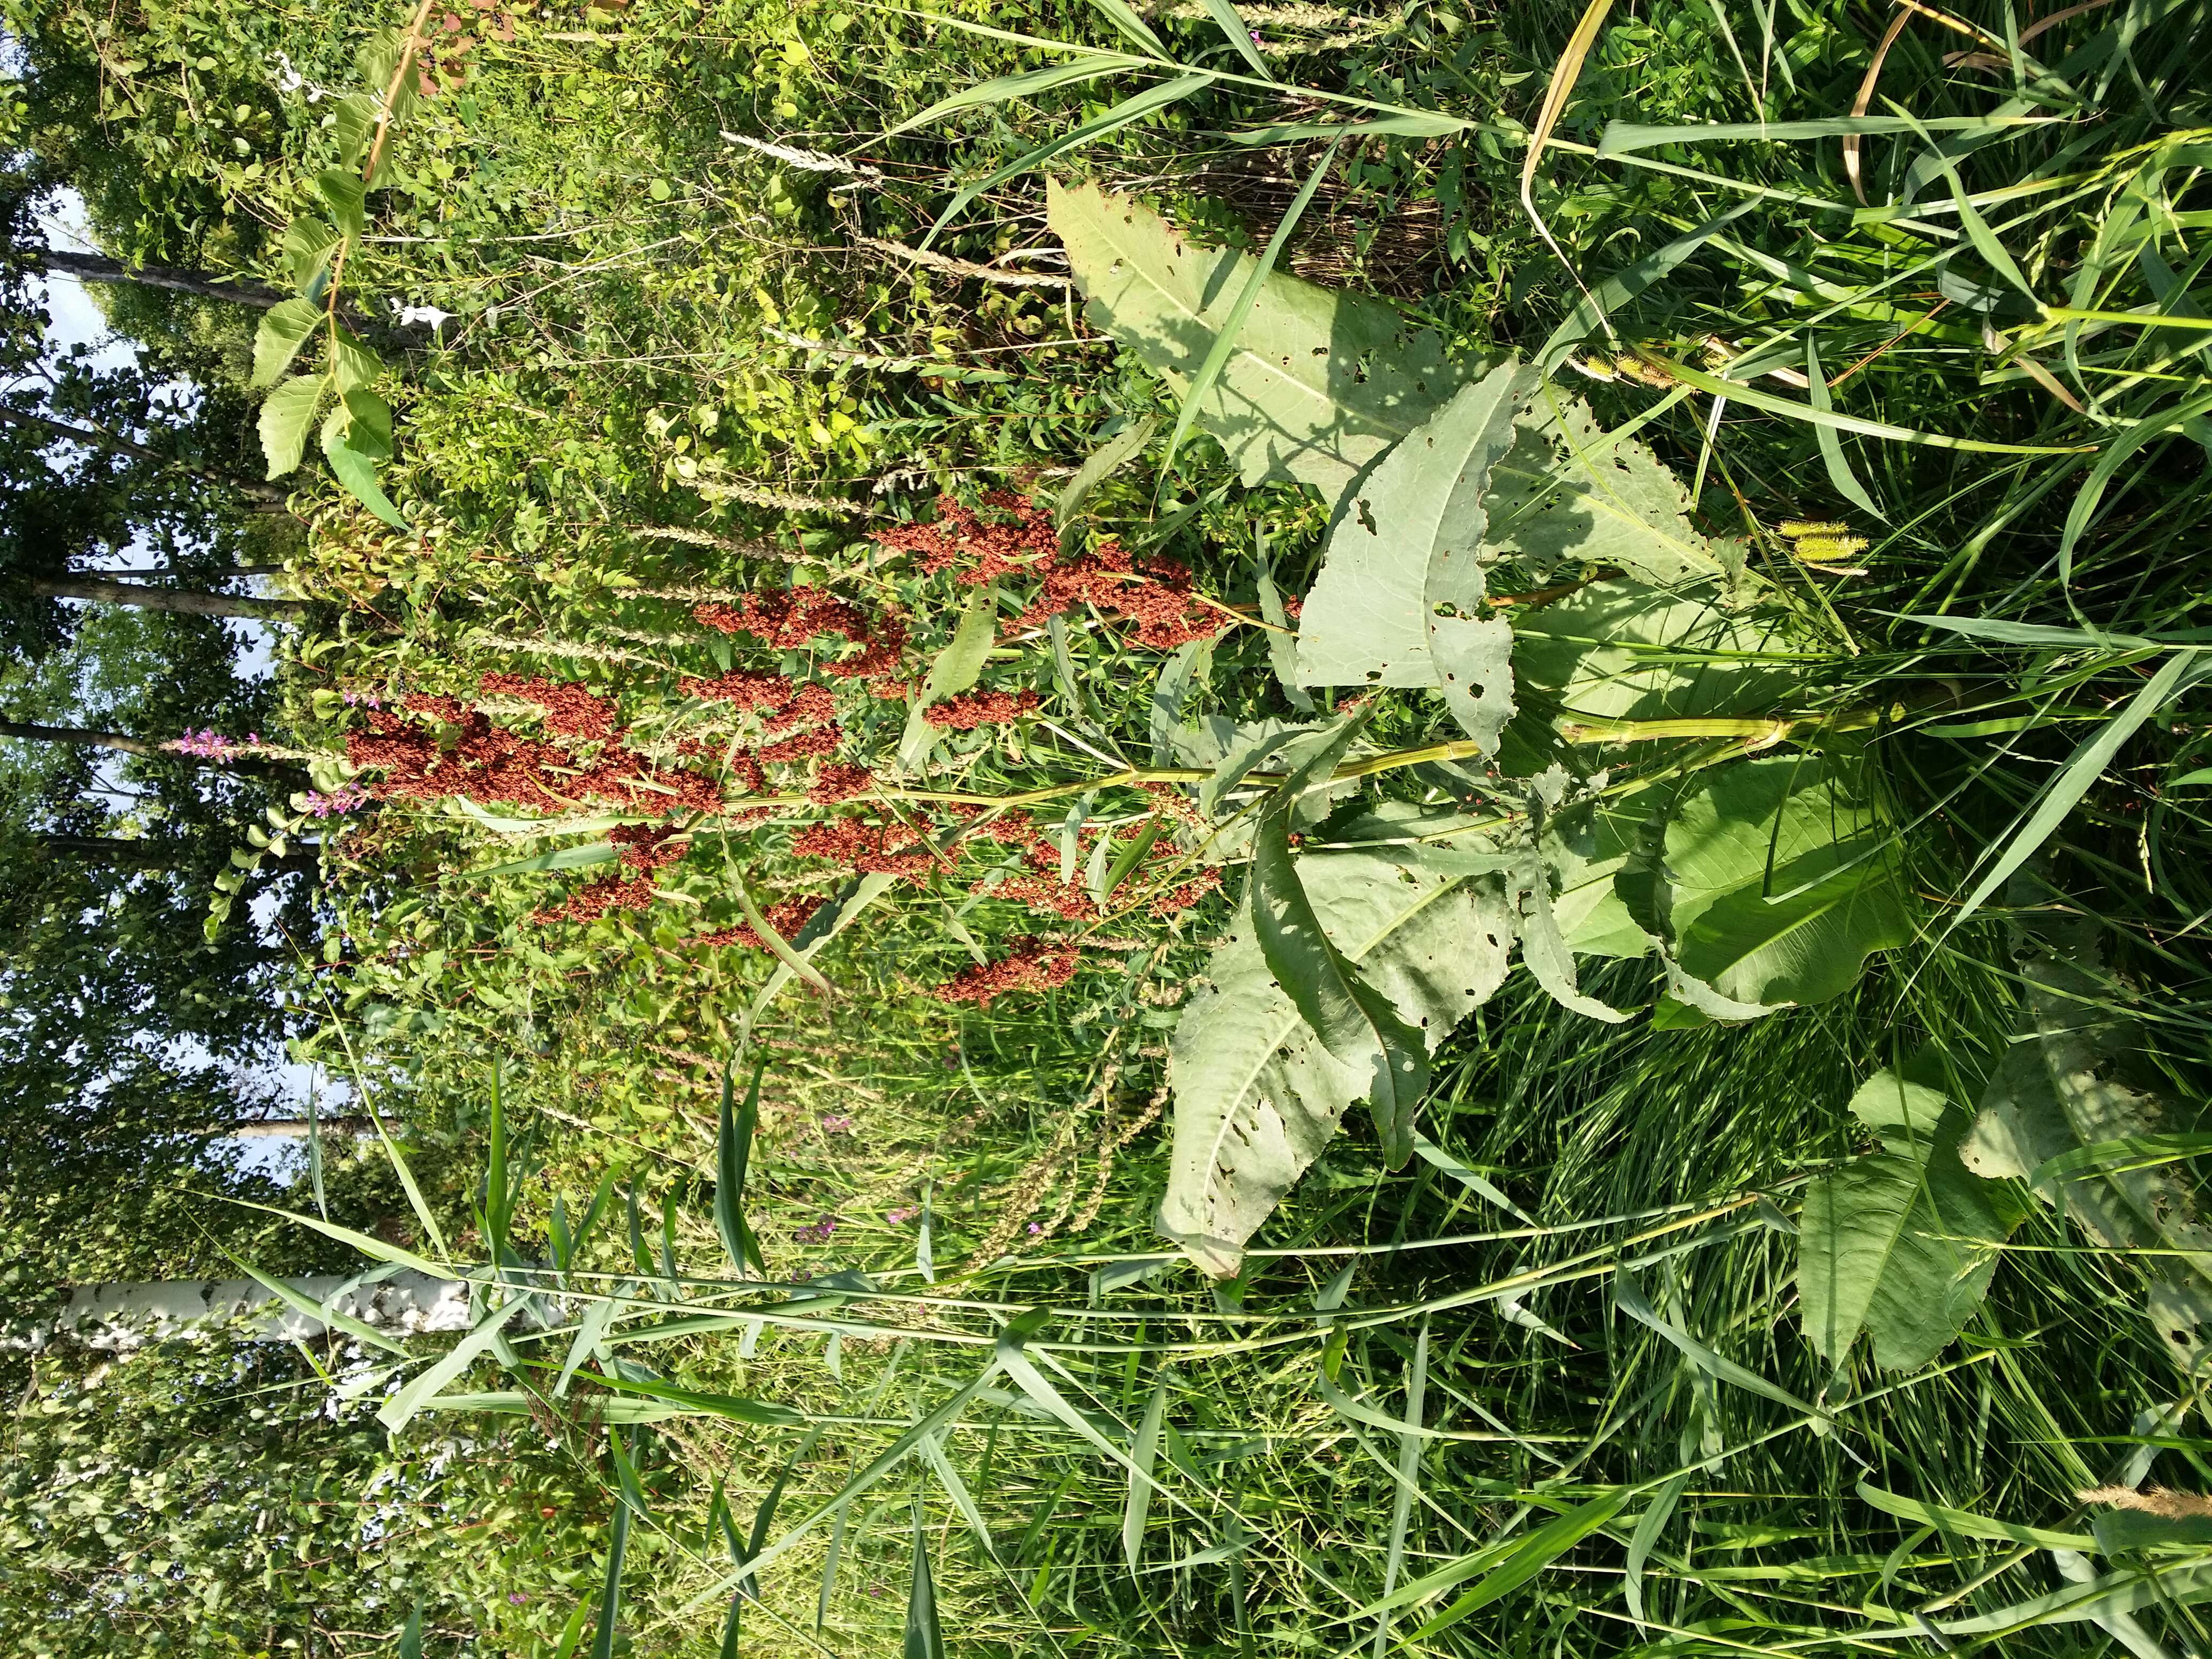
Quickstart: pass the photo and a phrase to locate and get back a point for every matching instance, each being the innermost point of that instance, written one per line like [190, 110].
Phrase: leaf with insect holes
[2074, 1078]
[1401, 584]
[1568, 494]
[287, 413]
[282, 329]
[1256, 1094]
[1356, 1022]
[1320, 383]
[1900, 1245]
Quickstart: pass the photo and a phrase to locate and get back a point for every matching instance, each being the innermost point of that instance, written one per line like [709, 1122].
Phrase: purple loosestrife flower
[338, 801]
[205, 745]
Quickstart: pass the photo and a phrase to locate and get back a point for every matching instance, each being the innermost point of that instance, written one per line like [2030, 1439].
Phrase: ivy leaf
[1900, 1245]
[286, 415]
[357, 472]
[343, 195]
[1257, 1096]
[1319, 383]
[1400, 588]
[283, 327]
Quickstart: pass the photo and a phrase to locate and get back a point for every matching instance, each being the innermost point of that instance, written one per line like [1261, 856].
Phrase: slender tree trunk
[189, 601]
[98, 268]
[79, 736]
[210, 285]
[98, 438]
[288, 1128]
[119, 1317]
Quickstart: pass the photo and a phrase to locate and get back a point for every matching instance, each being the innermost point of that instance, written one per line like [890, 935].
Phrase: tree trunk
[77, 735]
[189, 601]
[96, 438]
[288, 1128]
[98, 268]
[208, 285]
[129, 852]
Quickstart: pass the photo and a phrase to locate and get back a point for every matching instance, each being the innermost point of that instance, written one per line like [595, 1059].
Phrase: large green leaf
[2070, 1080]
[1355, 1021]
[286, 415]
[1320, 383]
[1900, 1245]
[1626, 651]
[277, 339]
[1401, 587]
[1256, 1094]
[1784, 880]
[1568, 493]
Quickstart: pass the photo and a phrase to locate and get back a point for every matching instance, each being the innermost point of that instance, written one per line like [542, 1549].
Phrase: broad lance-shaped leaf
[957, 667]
[1356, 1022]
[1569, 493]
[1400, 584]
[1320, 383]
[1256, 1095]
[2069, 1081]
[1899, 1244]
[277, 339]
[1783, 880]
[287, 413]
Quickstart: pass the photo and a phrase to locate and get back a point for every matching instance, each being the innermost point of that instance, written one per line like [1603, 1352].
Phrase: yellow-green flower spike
[1822, 548]
[1794, 528]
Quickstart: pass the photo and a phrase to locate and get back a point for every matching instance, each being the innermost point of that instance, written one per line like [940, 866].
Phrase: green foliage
[1898, 1244]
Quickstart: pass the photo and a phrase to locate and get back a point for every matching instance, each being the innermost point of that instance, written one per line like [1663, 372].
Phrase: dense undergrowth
[731, 464]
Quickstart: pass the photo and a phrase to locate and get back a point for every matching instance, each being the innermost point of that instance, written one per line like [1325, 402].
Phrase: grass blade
[1966, 1524]
[1107, 459]
[603, 1633]
[322, 1312]
[1233, 323]
[1564, 73]
[1840, 475]
[1123, 16]
[1240, 36]
[924, 1640]
[932, 1450]
[1409, 1475]
[396, 1411]
[1132, 109]
[2086, 764]
[1648, 1526]
[1006, 88]
[1529, 1557]
[732, 1151]
[1143, 1451]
